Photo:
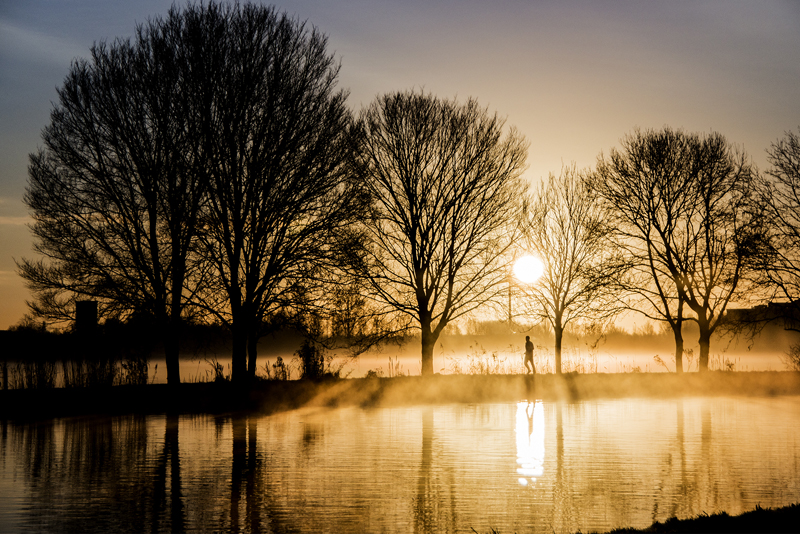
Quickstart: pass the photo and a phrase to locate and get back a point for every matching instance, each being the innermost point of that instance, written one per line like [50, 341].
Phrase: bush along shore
[268, 396]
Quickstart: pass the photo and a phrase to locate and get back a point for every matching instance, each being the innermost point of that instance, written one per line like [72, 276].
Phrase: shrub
[312, 360]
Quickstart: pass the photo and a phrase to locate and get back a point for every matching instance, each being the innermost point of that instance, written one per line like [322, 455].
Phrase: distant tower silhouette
[85, 316]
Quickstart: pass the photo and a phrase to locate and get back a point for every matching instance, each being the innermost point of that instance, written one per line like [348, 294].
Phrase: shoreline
[782, 519]
[270, 396]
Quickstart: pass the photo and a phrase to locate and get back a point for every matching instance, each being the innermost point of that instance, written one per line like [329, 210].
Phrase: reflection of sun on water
[530, 441]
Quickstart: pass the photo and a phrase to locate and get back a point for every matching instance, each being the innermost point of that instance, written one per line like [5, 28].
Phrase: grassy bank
[271, 396]
[785, 519]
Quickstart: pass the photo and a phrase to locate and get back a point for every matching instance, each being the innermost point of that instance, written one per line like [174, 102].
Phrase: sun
[528, 269]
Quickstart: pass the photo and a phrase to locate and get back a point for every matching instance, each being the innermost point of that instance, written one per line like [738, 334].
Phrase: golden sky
[573, 77]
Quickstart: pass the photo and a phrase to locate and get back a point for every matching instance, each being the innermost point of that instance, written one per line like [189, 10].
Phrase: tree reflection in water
[440, 468]
[86, 474]
[246, 471]
[423, 506]
[169, 462]
[434, 504]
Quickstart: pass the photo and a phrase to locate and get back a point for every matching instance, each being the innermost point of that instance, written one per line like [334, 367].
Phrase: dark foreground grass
[785, 519]
[268, 396]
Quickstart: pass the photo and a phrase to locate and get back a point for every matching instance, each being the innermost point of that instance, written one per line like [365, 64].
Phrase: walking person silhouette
[529, 355]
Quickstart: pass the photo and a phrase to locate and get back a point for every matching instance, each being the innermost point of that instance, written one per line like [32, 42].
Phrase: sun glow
[528, 269]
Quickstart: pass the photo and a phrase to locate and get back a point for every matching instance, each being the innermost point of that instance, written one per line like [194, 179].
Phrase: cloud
[15, 221]
[26, 44]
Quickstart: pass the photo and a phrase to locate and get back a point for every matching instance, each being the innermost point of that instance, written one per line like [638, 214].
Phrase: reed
[33, 374]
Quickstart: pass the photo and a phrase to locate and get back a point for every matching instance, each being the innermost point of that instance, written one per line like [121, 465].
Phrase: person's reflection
[530, 386]
[530, 441]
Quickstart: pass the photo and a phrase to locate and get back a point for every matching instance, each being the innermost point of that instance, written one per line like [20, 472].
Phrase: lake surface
[518, 467]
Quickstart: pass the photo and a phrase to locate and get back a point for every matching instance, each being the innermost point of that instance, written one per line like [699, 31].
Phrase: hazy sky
[573, 77]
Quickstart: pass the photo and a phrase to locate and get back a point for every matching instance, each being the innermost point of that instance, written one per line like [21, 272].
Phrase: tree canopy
[684, 210]
[565, 227]
[443, 180]
[200, 163]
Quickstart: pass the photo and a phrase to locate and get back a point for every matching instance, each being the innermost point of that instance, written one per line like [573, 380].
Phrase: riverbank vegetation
[126, 354]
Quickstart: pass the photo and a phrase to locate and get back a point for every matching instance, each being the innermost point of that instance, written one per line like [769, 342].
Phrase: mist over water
[502, 353]
[525, 466]
[479, 355]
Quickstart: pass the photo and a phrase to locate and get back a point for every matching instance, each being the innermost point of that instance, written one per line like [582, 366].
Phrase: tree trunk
[252, 355]
[428, 342]
[172, 355]
[705, 342]
[239, 354]
[172, 339]
[676, 331]
[559, 332]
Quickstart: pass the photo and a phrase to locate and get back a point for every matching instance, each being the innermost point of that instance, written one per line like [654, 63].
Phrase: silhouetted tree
[648, 186]
[782, 198]
[220, 122]
[684, 210]
[275, 146]
[566, 228]
[444, 183]
[115, 193]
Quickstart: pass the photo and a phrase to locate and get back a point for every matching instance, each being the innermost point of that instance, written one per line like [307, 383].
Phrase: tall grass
[33, 374]
[479, 361]
[89, 373]
[44, 374]
[133, 371]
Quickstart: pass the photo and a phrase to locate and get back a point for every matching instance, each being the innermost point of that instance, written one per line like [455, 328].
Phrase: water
[518, 467]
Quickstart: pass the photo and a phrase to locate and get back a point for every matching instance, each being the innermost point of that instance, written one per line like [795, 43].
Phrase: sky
[572, 77]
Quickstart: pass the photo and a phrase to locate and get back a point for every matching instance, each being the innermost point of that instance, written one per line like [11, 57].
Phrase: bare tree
[204, 162]
[782, 198]
[647, 186]
[726, 234]
[566, 228]
[684, 207]
[115, 193]
[276, 144]
[444, 182]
